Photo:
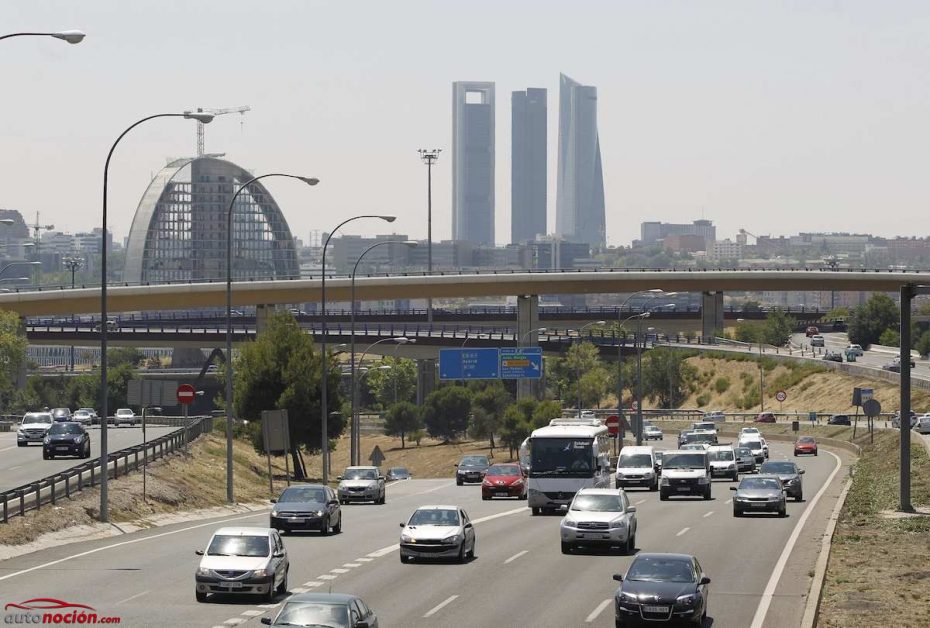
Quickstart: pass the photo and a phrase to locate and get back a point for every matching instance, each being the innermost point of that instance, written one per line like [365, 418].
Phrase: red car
[504, 480]
[765, 417]
[811, 331]
[805, 445]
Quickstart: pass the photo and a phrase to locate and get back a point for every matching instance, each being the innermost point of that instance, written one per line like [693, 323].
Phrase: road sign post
[185, 394]
[613, 428]
[376, 457]
[780, 396]
[520, 363]
[469, 364]
[872, 408]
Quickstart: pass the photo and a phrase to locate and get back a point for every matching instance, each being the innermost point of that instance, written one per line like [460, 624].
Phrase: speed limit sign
[781, 395]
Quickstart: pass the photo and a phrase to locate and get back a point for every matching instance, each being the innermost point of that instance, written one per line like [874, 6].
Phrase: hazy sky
[776, 117]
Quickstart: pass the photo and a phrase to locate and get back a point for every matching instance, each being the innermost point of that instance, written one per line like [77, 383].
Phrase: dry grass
[879, 567]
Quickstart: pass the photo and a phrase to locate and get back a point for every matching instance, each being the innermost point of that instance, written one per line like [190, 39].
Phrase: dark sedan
[471, 469]
[307, 507]
[839, 419]
[666, 588]
[761, 493]
[66, 439]
[789, 474]
[334, 610]
[397, 473]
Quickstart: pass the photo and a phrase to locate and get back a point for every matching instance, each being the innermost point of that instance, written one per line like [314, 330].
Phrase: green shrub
[722, 385]
[703, 400]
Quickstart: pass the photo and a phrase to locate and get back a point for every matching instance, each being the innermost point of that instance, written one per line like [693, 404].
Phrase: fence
[49, 489]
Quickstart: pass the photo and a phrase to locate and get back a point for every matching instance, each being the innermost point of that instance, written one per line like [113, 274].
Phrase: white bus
[566, 456]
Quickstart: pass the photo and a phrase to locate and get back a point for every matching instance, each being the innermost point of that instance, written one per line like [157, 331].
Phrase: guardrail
[48, 490]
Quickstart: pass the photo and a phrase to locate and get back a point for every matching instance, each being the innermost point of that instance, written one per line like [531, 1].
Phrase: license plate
[683, 489]
[502, 493]
[232, 585]
[758, 505]
[296, 519]
[655, 609]
[62, 448]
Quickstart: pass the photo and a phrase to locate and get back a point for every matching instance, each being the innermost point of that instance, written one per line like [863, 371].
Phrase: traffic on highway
[592, 544]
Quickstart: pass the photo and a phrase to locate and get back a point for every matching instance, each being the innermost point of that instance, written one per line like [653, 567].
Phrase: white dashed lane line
[642, 501]
[729, 501]
[597, 611]
[326, 576]
[682, 531]
[253, 613]
[707, 514]
[515, 557]
[352, 565]
[339, 571]
[440, 606]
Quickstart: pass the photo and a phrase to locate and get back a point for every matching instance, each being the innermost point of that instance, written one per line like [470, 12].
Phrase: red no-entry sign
[613, 424]
[186, 394]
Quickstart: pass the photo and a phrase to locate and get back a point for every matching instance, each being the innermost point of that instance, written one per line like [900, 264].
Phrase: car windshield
[660, 569]
[806, 439]
[508, 470]
[704, 426]
[683, 461]
[361, 474]
[566, 457]
[749, 430]
[303, 494]
[434, 517]
[635, 461]
[474, 461]
[721, 455]
[81, 413]
[597, 503]
[312, 614]
[37, 418]
[124, 412]
[65, 428]
[753, 444]
[760, 483]
[238, 545]
[61, 412]
[779, 467]
[744, 451]
[399, 471]
[699, 438]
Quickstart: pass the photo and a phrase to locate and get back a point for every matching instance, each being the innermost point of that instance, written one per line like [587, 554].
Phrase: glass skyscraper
[528, 165]
[473, 162]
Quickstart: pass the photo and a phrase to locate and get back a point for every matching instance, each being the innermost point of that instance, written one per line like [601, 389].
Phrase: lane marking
[8, 448]
[642, 501]
[313, 583]
[339, 571]
[729, 501]
[440, 606]
[384, 551]
[364, 559]
[268, 606]
[235, 621]
[130, 542]
[682, 531]
[132, 597]
[298, 590]
[19, 466]
[327, 576]
[598, 610]
[351, 565]
[253, 613]
[515, 557]
[707, 514]
[763, 608]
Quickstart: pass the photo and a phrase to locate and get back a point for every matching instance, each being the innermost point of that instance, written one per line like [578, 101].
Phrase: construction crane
[215, 112]
[743, 232]
[36, 229]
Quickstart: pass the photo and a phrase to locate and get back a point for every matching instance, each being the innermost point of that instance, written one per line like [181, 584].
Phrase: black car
[789, 474]
[398, 473]
[66, 439]
[307, 507]
[833, 356]
[662, 588]
[838, 419]
[324, 609]
[471, 469]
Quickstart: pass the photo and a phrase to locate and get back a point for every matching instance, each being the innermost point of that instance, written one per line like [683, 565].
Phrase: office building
[528, 165]
[473, 162]
[656, 232]
[580, 197]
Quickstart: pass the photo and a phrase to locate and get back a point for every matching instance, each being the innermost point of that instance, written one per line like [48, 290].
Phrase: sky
[773, 117]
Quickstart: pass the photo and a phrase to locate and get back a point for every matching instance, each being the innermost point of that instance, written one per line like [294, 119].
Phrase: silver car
[745, 461]
[362, 484]
[33, 427]
[241, 560]
[599, 516]
[437, 532]
[759, 493]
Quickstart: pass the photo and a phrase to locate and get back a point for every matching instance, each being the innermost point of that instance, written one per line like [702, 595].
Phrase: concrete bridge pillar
[263, 312]
[711, 314]
[426, 379]
[527, 336]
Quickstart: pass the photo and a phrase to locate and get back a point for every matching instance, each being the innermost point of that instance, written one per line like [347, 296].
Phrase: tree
[402, 418]
[778, 328]
[446, 412]
[545, 411]
[923, 344]
[514, 428]
[574, 370]
[488, 407]
[12, 355]
[398, 383]
[869, 320]
[665, 377]
[594, 385]
[280, 369]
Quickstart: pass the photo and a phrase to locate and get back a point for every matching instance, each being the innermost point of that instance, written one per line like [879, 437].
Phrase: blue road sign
[469, 364]
[521, 363]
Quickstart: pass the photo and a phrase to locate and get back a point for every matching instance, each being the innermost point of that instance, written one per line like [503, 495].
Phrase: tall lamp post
[578, 367]
[400, 340]
[230, 498]
[73, 263]
[324, 410]
[620, 363]
[70, 36]
[429, 157]
[353, 428]
[205, 118]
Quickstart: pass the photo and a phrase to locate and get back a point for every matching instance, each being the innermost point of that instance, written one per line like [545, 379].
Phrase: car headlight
[569, 523]
[517, 482]
[20, 432]
[261, 573]
[406, 538]
[703, 480]
[46, 440]
[618, 523]
[317, 513]
[664, 481]
[203, 572]
[452, 540]
[627, 598]
[687, 600]
[274, 513]
[77, 439]
[741, 499]
[487, 483]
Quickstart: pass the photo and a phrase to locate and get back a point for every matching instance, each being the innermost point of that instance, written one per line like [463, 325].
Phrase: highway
[21, 465]
[520, 576]
[838, 342]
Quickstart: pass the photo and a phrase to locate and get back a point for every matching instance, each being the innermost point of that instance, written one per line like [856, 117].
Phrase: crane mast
[215, 112]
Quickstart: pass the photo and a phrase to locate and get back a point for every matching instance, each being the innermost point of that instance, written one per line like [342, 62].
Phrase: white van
[685, 473]
[637, 466]
[723, 462]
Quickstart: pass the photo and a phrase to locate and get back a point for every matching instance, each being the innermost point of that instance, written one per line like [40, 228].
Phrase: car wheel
[324, 528]
[282, 588]
[270, 595]
[337, 529]
[566, 548]
[815, 452]
[201, 597]
[486, 497]
[461, 556]
[655, 486]
[458, 482]
[663, 495]
[536, 511]
[404, 558]
[471, 552]
[799, 498]
[523, 496]
[630, 544]
[737, 512]
[735, 476]
[45, 455]
[783, 512]
[21, 444]
[707, 493]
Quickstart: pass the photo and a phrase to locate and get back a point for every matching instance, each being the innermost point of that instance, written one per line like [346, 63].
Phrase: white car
[243, 561]
[750, 431]
[637, 466]
[652, 432]
[437, 532]
[82, 416]
[715, 415]
[32, 428]
[723, 462]
[361, 484]
[124, 415]
[854, 350]
[923, 424]
[755, 445]
[599, 516]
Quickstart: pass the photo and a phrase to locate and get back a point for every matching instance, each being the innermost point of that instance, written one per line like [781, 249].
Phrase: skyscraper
[580, 200]
[528, 165]
[473, 162]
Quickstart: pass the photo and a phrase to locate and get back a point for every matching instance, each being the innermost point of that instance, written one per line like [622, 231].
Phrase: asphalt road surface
[870, 359]
[21, 465]
[520, 577]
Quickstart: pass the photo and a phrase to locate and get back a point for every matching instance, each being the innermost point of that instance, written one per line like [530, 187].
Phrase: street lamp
[73, 263]
[205, 118]
[70, 36]
[540, 330]
[353, 428]
[578, 365]
[620, 361]
[229, 365]
[324, 418]
[400, 340]
[429, 157]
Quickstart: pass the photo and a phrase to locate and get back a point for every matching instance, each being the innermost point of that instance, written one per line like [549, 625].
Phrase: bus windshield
[563, 457]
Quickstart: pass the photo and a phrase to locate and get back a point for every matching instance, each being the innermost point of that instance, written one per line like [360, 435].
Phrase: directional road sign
[469, 364]
[376, 456]
[521, 363]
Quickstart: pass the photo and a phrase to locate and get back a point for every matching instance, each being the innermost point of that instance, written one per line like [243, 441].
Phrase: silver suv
[361, 484]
